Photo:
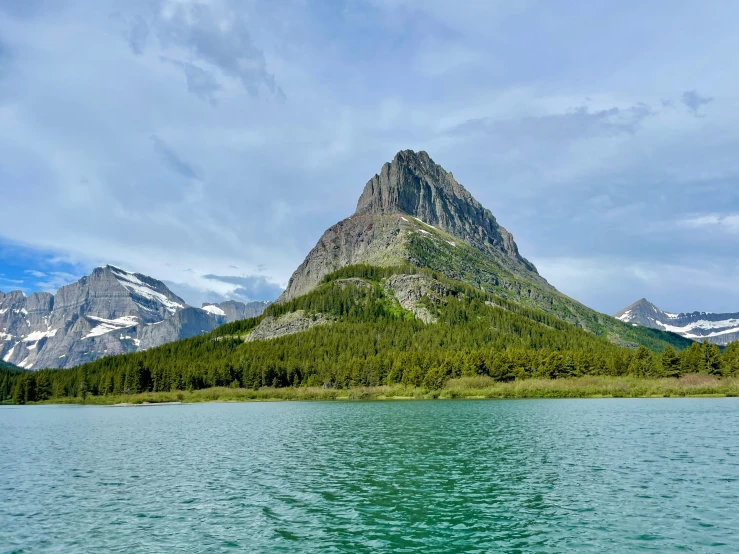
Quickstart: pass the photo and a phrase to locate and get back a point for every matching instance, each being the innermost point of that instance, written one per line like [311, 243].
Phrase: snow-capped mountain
[699, 326]
[111, 311]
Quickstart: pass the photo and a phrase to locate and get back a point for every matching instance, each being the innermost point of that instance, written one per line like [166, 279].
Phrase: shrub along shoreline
[693, 385]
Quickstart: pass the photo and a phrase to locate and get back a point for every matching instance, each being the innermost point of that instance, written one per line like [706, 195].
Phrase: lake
[417, 476]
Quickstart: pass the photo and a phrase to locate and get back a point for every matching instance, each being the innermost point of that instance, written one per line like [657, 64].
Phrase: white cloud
[184, 138]
[724, 223]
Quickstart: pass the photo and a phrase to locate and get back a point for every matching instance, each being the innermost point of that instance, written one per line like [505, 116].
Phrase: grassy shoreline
[468, 387]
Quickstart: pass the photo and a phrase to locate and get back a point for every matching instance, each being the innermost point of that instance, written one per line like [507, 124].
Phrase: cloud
[625, 281]
[54, 280]
[35, 273]
[249, 288]
[575, 123]
[195, 296]
[138, 35]
[200, 82]
[725, 223]
[214, 34]
[172, 160]
[694, 101]
[548, 115]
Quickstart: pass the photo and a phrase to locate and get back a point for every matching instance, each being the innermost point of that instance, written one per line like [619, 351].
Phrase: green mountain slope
[415, 213]
[362, 326]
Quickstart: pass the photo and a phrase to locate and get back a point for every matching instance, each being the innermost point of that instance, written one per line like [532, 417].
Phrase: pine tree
[711, 358]
[643, 364]
[670, 362]
[731, 359]
[43, 386]
[82, 387]
[691, 360]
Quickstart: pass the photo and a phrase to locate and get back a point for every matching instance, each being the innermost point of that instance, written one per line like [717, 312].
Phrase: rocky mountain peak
[414, 184]
[411, 200]
[110, 311]
[713, 327]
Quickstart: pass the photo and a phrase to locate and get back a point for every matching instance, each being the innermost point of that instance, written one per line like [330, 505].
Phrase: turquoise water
[437, 476]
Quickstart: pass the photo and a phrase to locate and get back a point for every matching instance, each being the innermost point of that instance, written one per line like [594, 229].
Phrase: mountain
[111, 311]
[698, 326]
[232, 310]
[420, 285]
[415, 213]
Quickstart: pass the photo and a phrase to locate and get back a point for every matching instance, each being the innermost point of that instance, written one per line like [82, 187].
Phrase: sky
[210, 143]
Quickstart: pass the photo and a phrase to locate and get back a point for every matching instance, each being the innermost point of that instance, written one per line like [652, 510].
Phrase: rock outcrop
[111, 311]
[232, 310]
[410, 289]
[289, 324]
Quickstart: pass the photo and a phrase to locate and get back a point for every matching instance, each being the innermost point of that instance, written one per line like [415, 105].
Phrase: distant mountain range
[419, 285]
[698, 326]
[111, 311]
[413, 216]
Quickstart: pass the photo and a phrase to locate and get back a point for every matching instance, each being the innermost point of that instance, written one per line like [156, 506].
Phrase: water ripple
[461, 476]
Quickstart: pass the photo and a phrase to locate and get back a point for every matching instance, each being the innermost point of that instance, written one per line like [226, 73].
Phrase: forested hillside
[357, 333]
[8, 376]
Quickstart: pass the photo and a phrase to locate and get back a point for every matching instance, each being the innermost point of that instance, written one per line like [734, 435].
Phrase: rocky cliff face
[409, 193]
[697, 326]
[231, 310]
[413, 184]
[111, 311]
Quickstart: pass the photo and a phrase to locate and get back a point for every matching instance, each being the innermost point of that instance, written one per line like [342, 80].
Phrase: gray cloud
[249, 288]
[217, 35]
[694, 101]
[200, 82]
[234, 178]
[172, 160]
[138, 35]
[576, 123]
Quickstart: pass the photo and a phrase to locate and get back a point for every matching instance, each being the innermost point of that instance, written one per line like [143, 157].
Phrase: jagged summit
[415, 185]
[383, 230]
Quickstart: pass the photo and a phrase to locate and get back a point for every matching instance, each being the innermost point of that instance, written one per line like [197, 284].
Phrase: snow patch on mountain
[698, 326]
[110, 325]
[38, 335]
[9, 354]
[213, 310]
[135, 285]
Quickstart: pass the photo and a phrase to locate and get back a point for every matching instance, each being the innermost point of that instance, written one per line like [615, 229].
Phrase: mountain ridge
[412, 185]
[716, 328]
[110, 311]
[458, 237]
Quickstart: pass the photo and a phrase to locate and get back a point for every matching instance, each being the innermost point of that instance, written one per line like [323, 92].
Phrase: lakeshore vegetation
[480, 345]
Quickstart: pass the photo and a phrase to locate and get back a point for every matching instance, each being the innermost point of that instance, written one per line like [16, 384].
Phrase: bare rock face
[411, 186]
[111, 311]
[288, 324]
[187, 322]
[367, 239]
[409, 289]
[232, 310]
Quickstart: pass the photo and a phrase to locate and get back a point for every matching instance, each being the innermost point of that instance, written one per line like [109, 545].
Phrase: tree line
[373, 341]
